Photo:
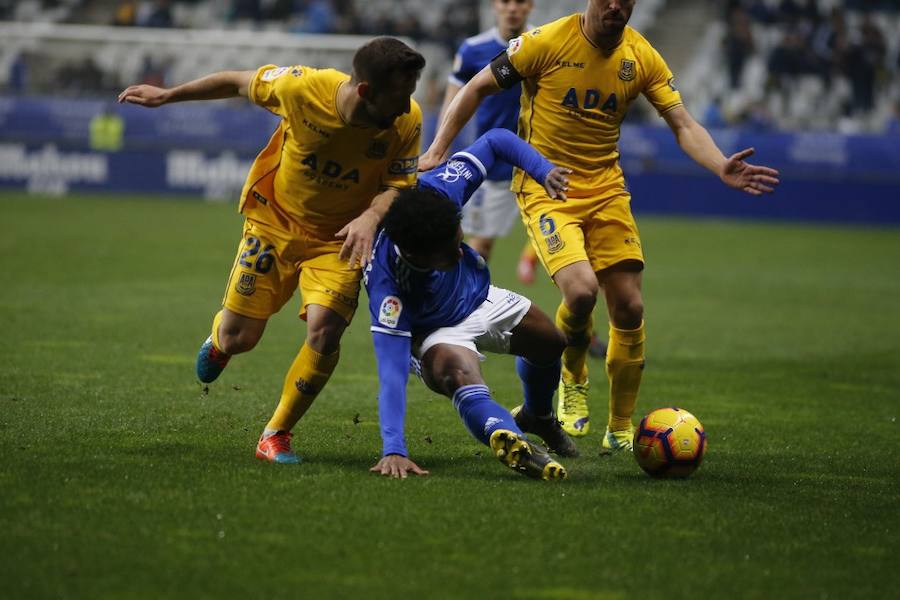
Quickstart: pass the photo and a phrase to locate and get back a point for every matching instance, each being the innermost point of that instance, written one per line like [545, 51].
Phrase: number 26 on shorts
[263, 260]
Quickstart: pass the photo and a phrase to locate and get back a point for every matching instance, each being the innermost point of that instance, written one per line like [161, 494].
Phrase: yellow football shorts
[271, 264]
[599, 229]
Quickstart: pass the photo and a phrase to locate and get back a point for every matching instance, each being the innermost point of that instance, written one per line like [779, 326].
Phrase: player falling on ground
[430, 296]
[344, 148]
[579, 76]
[491, 212]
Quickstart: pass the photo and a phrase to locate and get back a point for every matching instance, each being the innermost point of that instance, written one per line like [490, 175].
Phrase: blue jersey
[499, 110]
[406, 301]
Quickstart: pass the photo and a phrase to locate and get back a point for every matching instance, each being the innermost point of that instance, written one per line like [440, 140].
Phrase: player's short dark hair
[421, 221]
[378, 60]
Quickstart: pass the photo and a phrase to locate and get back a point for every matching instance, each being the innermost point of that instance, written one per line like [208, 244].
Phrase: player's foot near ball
[276, 448]
[524, 456]
[572, 408]
[618, 441]
[525, 270]
[548, 429]
[210, 362]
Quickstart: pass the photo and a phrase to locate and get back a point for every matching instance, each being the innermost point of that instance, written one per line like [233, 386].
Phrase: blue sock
[481, 415]
[538, 384]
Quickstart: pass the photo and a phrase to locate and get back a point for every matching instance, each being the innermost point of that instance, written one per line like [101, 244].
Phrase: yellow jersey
[575, 96]
[318, 173]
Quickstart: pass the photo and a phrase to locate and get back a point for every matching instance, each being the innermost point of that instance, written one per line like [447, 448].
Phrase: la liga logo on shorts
[389, 313]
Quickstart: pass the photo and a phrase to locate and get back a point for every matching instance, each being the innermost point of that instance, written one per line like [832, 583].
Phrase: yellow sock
[305, 379]
[217, 320]
[624, 366]
[578, 330]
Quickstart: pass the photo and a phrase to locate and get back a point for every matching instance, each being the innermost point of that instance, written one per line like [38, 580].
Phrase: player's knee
[325, 338]
[629, 314]
[453, 378]
[552, 344]
[582, 297]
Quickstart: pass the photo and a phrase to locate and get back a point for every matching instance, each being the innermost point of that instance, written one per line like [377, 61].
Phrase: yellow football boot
[524, 456]
[614, 441]
[572, 409]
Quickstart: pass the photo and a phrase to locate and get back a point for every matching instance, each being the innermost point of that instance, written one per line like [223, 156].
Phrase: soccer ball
[669, 442]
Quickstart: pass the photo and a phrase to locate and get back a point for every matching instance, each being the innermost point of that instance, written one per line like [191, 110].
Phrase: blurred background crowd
[762, 64]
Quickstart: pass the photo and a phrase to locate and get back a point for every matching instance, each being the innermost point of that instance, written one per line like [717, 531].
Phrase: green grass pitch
[121, 478]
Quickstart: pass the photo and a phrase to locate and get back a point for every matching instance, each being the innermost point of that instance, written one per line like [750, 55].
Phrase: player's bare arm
[397, 467]
[449, 94]
[458, 114]
[359, 234]
[224, 84]
[734, 172]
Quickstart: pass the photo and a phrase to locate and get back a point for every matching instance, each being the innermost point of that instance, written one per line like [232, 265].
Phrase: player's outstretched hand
[752, 179]
[556, 183]
[358, 236]
[144, 95]
[430, 160]
[396, 466]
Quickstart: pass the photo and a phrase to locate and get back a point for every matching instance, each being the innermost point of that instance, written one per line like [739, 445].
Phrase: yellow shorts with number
[271, 264]
[599, 229]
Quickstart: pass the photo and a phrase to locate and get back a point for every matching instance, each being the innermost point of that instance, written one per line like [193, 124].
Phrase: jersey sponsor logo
[377, 149]
[453, 170]
[316, 128]
[590, 100]
[246, 284]
[632, 241]
[343, 298]
[626, 70]
[404, 166]
[296, 71]
[569, 64]
[389, 313]
[330, 173]
[671, 83]
[259, 197]
[515, 45]
[273, 74]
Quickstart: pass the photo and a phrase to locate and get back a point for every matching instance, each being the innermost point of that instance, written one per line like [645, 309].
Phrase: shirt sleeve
[401, 170]
[526, 56]
[277, 89]
[660, 86]
[386, 309]
[392, 355]
[502, 144]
